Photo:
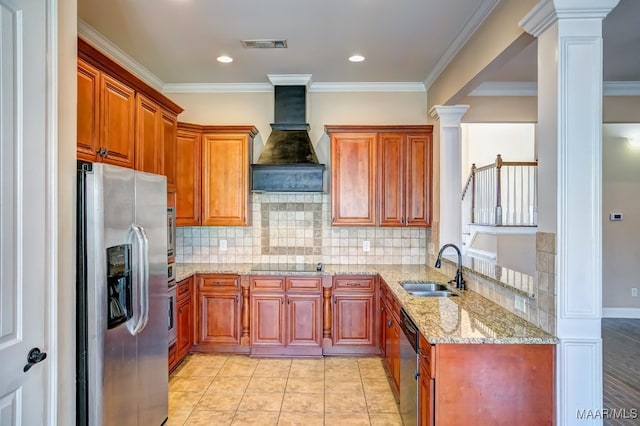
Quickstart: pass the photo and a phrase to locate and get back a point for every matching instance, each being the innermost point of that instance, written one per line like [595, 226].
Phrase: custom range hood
[288, 162]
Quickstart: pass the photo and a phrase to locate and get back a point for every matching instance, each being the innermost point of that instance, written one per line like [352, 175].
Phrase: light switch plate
[366, 246]
[223, 245]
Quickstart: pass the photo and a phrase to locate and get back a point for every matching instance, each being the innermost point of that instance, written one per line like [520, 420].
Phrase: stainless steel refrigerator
[121, 297]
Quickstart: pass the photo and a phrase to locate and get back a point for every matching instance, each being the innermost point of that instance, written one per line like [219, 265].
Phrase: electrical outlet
[366, 246]
[223, 245]
[634, 292]
[521, 304]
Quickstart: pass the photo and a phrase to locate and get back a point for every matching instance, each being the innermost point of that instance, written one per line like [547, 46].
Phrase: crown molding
[314, 87]
[97, 40]
[368, 87]
[217, 87]
[474, 22]
[621, 88]
[512, 88]
[524, 88]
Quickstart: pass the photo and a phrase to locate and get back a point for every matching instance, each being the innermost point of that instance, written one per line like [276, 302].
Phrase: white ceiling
[404, 41]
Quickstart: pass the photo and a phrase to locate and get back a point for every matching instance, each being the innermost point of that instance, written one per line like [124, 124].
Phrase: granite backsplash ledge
[295, 228]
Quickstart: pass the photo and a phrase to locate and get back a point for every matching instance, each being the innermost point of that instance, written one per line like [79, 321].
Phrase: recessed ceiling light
[356, 58]
[224, 59]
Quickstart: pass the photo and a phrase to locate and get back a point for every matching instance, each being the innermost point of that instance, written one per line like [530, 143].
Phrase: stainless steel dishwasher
[408, 370]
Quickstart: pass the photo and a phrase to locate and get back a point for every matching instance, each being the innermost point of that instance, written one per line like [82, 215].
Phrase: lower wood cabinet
[355, 302]
[184, 323]
[286, 315]
[480, 384]
[219, 313]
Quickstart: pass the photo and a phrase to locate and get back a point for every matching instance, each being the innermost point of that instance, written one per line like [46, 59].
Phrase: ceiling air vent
[264, 44]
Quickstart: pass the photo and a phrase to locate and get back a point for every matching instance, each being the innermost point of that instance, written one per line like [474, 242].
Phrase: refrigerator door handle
[141, 302]
[145, 280]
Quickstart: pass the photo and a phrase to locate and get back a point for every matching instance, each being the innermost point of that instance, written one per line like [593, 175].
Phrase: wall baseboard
[621, 313]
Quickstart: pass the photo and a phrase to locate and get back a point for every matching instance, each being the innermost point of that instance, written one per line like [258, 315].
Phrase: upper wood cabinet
[225, 178]
[149, 144]
[405, 179]
[381, 175]
[88, 129]
[188, 177]
[213, 175]
[121, 119]
[169, 137]
[106, 113]
[353, 174]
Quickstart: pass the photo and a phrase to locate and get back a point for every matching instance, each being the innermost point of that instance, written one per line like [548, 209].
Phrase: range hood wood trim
[348, 128]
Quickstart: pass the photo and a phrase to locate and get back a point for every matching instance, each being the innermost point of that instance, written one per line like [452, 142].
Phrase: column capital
[449, 116]
[547, 12]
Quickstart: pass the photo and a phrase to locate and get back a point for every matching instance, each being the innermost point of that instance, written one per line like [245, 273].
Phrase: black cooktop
[286, 267]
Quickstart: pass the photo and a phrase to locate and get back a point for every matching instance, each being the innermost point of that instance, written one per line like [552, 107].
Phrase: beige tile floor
[240, 390]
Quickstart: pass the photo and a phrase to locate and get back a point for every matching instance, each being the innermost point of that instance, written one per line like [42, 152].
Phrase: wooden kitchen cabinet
[184, 323]
[212, 180]
[184, 318]
[106, 111]
[405, 179]
[286, 315]
[353, 187]
[354, 315]
[219, 312]
[148, 143]
[484, 384]
[225, 178]
[381, 175]
[88, 128]
[169, 137]
[122, 120]
[188, 176]
[390, 332]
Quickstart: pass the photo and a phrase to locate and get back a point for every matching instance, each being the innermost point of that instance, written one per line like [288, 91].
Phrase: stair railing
[501, 194]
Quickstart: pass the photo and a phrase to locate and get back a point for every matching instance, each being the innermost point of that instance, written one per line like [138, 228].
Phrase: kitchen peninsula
[503, 364]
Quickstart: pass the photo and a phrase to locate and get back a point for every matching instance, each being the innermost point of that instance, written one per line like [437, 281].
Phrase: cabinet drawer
[183, 289]
[267, 283]
[219, 282]
[304, 284]
[354, 283]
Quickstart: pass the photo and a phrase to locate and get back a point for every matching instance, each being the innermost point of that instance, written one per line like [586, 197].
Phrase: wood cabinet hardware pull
[106, 152]
[237, 300]
[180, 309]
[353, 284]
[389, 324]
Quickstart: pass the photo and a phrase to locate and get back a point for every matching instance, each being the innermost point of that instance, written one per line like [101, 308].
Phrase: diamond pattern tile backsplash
[295, 228]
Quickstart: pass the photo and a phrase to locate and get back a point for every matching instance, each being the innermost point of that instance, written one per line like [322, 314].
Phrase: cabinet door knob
[180, 310]
[106, 152]
[389, 323]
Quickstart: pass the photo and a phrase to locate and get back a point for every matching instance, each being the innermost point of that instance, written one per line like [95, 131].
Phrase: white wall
[481, 142]
[620, 240]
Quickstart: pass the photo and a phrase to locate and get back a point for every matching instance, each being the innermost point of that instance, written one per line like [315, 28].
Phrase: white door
[24, 225]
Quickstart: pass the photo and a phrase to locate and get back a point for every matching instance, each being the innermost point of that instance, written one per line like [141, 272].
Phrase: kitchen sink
[435, 293]
[427, 289]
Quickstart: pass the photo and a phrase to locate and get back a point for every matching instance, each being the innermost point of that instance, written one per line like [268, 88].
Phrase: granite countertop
[467, 318]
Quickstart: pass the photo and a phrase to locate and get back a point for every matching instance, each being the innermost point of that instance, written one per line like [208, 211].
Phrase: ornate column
[569, 140]
[450, 172]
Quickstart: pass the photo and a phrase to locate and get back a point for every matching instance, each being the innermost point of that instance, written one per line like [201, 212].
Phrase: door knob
[34, 357]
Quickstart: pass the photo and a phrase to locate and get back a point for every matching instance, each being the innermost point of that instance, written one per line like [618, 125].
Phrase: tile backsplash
[295, 228]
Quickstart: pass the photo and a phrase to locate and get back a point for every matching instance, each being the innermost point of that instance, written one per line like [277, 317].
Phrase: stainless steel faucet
[458, 280]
